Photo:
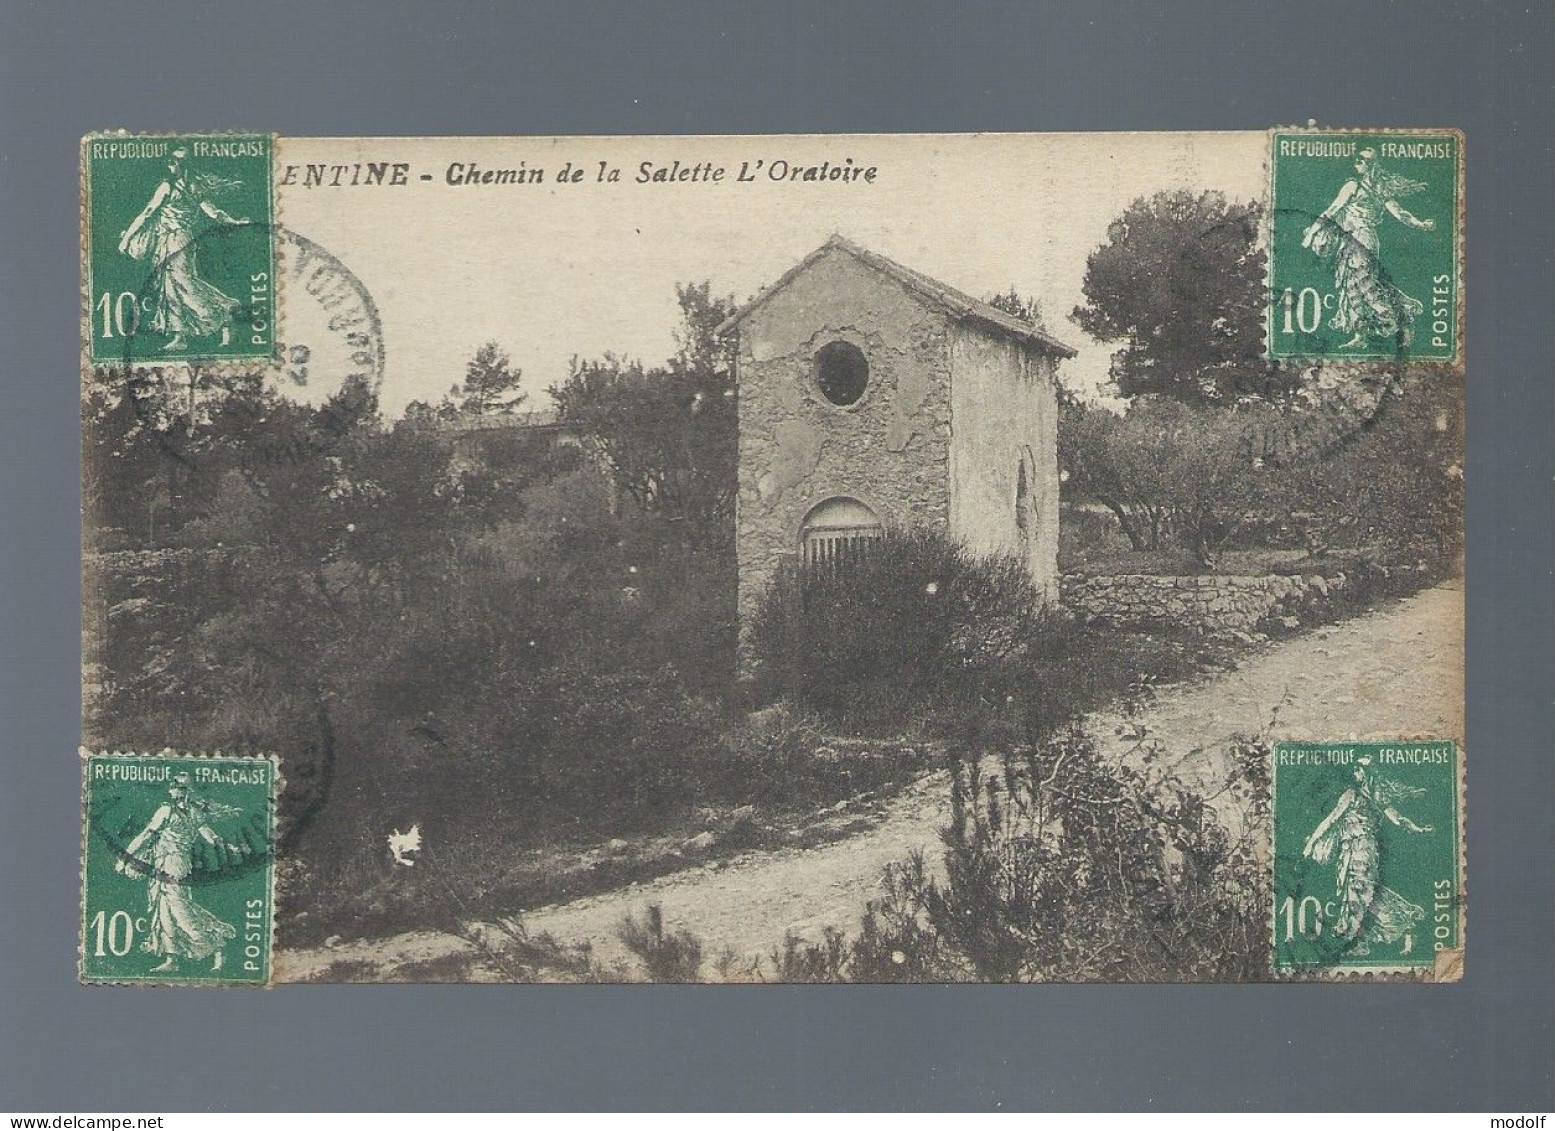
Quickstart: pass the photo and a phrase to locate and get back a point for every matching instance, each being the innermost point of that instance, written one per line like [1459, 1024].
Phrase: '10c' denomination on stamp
[1367, 864]
[1365, 246]
[180, 248]
[178, 869]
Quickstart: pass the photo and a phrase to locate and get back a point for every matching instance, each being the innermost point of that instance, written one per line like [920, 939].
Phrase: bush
[779, 756]
[627, 746]
[1063, 867]
[562, 749]
[801, 961]
[1060, 865]
[667, 956]
[919, 628]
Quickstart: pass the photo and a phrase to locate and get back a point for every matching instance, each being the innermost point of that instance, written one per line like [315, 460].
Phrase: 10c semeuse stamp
[1365, 245]
[178, 868]
[1367, 858]
[180, 248]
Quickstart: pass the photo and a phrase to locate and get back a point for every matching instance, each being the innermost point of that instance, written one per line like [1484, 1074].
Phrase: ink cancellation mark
[1365, 246]
[178, 869]
[180, 248]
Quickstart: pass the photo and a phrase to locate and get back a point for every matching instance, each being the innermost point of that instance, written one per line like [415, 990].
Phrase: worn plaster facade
[956, 427]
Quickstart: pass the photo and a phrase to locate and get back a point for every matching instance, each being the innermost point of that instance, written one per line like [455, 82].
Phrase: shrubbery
[921, 631]
[1353, 464]
[1062, 866]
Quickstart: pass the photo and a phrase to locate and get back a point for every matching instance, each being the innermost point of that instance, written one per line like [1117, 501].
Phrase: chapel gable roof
[956, 303]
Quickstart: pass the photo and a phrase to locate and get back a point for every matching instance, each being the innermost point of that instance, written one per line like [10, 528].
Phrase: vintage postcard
[937, 558]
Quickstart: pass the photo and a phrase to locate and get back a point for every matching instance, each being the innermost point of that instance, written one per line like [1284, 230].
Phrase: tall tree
[490, 384]
[1180, 283]
[700, 350]
[666, 434]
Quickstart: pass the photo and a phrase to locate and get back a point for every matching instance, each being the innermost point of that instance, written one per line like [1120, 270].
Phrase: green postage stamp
[178, 870]
[179, 248]
[1368, 871]
[1365, 246]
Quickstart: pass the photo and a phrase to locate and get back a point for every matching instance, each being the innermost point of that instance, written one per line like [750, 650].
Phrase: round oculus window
[841, 372]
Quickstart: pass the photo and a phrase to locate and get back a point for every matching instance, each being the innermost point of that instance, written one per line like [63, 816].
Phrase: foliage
[1213, 467]
[1024, 307]
[1180, 283]
[666, 434]
[801, 961]
[1120, 463]
[507, 947]
[918, 627]
[491, 384]
[780, 755]
[400, 617]
[1348, 464]
[667, 956]
[1064, 865]
[1388, 479]
[777, 751]
[896, 943]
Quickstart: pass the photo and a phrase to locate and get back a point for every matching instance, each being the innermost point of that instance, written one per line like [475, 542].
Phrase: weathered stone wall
[1214, 606]
[889, 450]
[1004, 412]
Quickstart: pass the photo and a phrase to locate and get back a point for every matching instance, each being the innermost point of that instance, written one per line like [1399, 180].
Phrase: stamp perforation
[1355, 363]
[236, 362]
[275, 784]
[1447, 965]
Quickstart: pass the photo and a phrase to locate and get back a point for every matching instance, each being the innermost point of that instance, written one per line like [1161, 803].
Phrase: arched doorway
[836, 532]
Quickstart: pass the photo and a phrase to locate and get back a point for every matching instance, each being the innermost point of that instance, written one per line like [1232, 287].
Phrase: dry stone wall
[1210, 605]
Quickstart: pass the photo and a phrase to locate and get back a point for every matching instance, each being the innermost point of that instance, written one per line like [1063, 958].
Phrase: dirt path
[1395, 672]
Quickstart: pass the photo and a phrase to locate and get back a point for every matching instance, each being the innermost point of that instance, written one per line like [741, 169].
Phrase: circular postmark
[331, 334]
[330, 347]
[326, 326]
[125, 821]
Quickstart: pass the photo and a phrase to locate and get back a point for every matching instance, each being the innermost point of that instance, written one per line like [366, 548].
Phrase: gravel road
[1395, 672]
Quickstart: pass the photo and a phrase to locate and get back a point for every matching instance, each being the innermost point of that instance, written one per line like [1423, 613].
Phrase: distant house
[493, 440]
[467, 427]
[871, 395]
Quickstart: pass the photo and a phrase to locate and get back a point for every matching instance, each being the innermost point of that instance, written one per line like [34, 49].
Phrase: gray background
[306, 67]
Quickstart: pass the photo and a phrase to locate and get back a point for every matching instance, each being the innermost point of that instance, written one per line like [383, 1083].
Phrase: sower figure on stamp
[1368, 911]
[1369, 306]
[164, 232]
[179, 925]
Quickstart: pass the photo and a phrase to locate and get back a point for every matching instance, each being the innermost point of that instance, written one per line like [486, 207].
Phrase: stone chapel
[872, 396]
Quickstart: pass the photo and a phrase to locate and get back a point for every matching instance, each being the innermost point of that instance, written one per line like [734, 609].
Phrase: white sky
[552, 270]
